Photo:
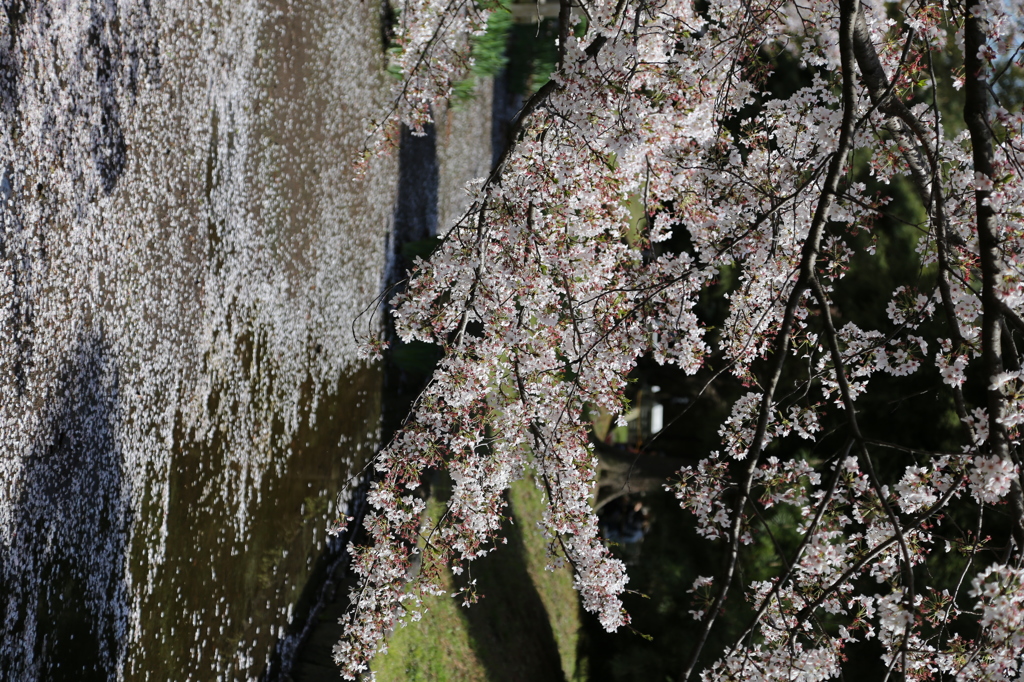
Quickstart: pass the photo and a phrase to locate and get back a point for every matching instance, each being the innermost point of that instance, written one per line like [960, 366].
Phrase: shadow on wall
[63, 583]
[414, 221]
[415, 217]
[510, 627]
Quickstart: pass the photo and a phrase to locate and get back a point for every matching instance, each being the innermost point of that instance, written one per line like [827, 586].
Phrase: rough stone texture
[183, 253]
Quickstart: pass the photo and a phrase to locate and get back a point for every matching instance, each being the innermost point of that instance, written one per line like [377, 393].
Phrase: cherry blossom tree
[547, 292]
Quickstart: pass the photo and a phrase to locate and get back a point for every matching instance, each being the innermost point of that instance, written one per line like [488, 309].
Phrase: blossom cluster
[545, 294]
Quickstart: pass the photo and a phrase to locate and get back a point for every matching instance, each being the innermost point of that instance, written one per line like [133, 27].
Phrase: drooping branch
[808, 263]
[792, 565]
[907, 129]
[850, 408]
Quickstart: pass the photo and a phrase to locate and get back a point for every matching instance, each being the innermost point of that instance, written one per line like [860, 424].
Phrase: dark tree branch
[808, 262]
[808, 536]
[905, 127]
[851, 415]
[976, 115]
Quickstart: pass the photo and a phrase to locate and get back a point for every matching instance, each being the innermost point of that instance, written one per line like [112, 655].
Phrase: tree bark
[976, 115]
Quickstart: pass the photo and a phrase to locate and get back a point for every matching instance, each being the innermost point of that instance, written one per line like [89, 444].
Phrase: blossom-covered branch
[549, 291]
